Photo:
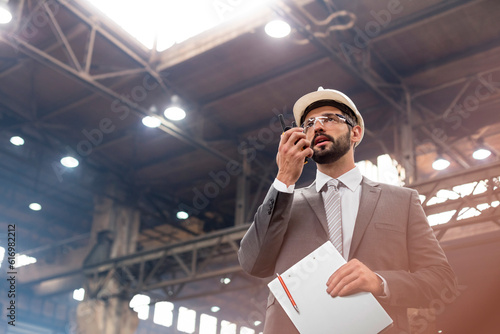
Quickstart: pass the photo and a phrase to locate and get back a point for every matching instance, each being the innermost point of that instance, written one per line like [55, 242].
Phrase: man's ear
[356, 134]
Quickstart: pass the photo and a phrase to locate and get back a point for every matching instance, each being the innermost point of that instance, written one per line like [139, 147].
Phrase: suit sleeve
[261, 244]
[429, 276]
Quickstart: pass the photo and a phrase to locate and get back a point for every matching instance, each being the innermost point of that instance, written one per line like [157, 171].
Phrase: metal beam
[62, 38]
[220, 241]
[489, 173]
[375, 83]
[76, 71]
[84, 78]
[454, 58]
[453, 179]
[296, 16]
[470, 201]
[166, 126]
[274, 74]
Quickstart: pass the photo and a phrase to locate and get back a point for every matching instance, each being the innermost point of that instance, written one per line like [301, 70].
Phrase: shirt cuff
[386, 289]
[280, 186]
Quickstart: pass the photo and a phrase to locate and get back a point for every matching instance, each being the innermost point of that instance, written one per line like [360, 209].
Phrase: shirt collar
[351, 179]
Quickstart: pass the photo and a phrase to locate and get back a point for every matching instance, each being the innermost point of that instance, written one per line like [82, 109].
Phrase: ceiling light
[79, 294]
[225, 280]
[277, 29]
[174, 113]
[69, 162]
[215, 309]
[35, 207]
[5, 15]
[182, 215]
[481, 153]
[151, 121]
[257, 323]
[440, 164]
[16, 140]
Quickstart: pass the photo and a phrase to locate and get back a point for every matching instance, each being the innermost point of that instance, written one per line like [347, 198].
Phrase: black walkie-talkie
[282, 121]
[286, 128]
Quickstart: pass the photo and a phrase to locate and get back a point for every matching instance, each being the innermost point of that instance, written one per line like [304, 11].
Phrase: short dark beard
[338, 149]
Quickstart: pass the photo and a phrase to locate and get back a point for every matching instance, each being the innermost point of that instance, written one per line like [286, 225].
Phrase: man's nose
[318, 125]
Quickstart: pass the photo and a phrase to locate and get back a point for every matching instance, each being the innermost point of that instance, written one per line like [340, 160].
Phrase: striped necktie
[334, 214]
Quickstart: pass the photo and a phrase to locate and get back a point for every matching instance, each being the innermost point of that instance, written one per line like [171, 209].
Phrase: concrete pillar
[114, 233]
[119, 220]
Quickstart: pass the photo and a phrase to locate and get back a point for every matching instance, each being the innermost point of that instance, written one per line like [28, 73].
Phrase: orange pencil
[288, 293]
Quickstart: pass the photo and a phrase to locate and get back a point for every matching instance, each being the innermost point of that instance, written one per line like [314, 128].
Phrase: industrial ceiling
[424, 74]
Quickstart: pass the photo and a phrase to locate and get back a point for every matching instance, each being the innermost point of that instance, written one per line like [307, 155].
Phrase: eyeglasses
[326, 120]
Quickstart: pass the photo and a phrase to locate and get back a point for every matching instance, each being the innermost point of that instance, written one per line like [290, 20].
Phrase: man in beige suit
[382, 231]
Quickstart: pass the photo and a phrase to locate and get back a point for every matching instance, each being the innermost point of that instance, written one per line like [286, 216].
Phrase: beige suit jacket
[391, 236]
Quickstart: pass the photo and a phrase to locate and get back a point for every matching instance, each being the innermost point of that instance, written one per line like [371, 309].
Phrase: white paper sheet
[319, 312]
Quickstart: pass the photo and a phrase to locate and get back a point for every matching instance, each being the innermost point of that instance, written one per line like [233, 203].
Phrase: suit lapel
[370, 193]
[315, 200]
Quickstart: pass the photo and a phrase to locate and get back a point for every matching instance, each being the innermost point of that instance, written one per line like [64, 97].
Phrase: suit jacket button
[270, 206]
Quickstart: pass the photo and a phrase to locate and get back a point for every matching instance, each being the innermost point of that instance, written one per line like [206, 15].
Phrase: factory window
[140, 304]
[164, 314]
[208, 324]
[227, 327]
[187, 320]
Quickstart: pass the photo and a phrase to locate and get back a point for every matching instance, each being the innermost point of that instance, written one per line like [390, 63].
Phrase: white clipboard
[319, 312]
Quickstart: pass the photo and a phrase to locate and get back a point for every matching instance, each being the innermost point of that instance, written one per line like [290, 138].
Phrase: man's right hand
[293, 150]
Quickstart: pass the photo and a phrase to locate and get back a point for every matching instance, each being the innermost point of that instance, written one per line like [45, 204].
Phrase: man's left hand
[354, 277]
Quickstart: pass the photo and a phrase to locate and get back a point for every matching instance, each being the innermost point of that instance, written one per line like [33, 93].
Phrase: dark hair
[331, 103]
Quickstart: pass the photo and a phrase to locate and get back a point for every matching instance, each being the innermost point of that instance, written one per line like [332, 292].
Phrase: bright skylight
[461, 190]
[440, 218]
[21, 260]
[386, 170]
[24, 260]
[172, 21]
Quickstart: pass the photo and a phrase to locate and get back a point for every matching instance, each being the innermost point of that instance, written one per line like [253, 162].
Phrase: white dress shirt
[350, 193]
